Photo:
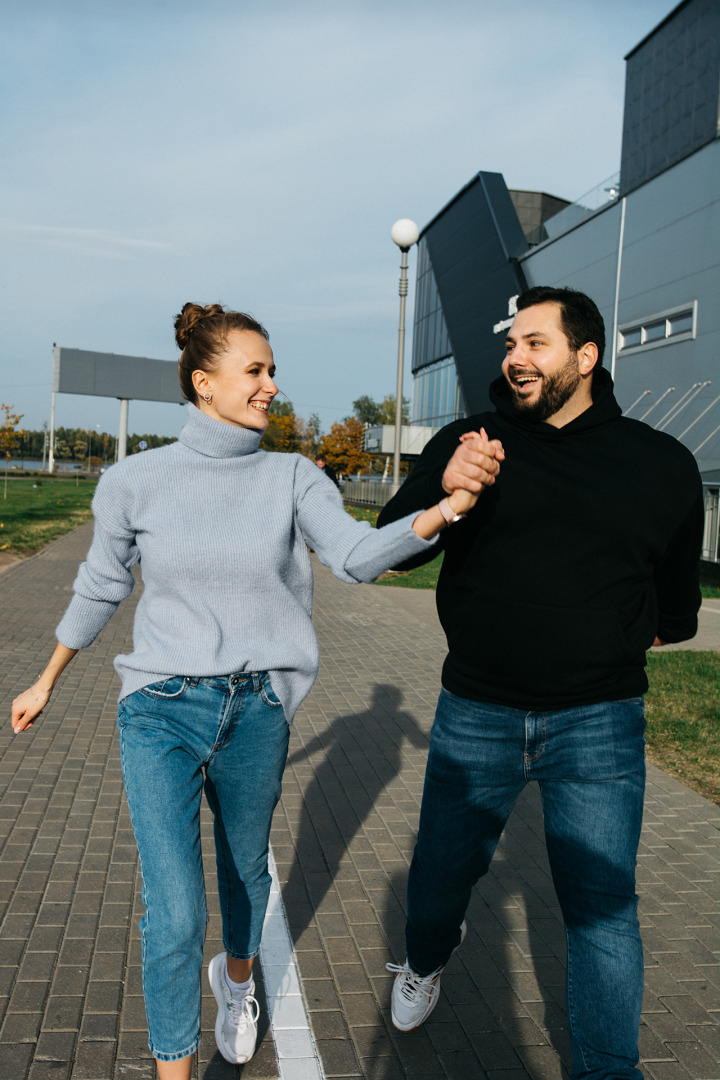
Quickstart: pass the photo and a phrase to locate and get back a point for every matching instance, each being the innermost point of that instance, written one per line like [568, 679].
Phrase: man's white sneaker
[236, 1024]
[415, 996]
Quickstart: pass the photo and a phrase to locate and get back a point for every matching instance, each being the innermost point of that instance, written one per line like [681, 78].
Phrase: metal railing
[367, 492]
[711, 534]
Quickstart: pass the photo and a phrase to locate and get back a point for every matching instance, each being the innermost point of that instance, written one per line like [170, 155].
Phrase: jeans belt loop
[256, 682]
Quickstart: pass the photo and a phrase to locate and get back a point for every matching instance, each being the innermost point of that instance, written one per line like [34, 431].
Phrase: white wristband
[448, 513]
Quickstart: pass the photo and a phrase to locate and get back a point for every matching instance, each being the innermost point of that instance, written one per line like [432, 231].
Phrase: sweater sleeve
[677, 584]
[105, 578]
[352, 549]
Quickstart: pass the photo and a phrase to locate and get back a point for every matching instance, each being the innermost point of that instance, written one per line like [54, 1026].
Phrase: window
[437, 398]
[662, 328]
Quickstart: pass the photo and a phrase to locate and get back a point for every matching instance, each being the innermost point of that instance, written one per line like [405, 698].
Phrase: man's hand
[657, 642]
[475, 463]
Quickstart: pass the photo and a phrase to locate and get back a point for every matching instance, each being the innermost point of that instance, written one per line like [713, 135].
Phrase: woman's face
[241, 385]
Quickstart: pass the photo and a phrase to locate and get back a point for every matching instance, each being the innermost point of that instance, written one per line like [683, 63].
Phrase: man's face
[540, 368]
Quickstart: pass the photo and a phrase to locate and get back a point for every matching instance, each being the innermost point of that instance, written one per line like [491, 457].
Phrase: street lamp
[404, 233]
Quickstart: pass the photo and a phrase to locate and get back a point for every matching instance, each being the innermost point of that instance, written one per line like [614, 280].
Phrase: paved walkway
[70, 992]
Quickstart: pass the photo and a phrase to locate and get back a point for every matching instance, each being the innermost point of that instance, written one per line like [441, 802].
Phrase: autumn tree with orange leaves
[10, 434]
[343, 447]
[289, 434]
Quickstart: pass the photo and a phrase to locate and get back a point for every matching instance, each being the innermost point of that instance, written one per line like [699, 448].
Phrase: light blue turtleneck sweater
[221, 530]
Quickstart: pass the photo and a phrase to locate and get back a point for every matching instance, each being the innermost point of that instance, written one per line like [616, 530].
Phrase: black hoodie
[585, 548]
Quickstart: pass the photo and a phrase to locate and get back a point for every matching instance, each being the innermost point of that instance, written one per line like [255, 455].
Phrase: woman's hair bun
[189, 318]
[202, 335]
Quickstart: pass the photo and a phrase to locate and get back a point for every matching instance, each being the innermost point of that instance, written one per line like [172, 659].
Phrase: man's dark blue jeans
[589, 762]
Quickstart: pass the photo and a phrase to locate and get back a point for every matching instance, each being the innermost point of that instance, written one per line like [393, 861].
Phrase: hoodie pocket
[543, 647]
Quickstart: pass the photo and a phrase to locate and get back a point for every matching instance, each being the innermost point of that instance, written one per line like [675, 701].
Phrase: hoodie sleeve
[677, 576]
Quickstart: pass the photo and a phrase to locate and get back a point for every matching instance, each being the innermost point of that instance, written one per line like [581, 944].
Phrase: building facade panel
[584, 258]
[470, 245]
[672, 89]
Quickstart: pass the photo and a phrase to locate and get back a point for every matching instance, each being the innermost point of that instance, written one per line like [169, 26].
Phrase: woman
[223, 653]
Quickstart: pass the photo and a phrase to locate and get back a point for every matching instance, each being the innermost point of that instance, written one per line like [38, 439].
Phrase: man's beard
[555, 390]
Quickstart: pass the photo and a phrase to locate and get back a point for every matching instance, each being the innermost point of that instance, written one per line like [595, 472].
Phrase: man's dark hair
[321, 457]
[579, 317]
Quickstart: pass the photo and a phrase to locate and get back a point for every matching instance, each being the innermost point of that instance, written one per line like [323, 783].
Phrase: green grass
[32, 516]
[683, 717]
[710, 592]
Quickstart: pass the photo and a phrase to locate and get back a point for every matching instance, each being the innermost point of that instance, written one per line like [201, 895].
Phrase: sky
[257, 154]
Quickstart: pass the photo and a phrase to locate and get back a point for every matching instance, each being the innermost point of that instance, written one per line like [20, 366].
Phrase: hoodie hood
[604, 407]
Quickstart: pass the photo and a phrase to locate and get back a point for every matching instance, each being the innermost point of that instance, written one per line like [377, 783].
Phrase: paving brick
[15, 1059]
[62, 1013]
[686, 1009]
[95, 1061]
[50, 1070]
[695, 1059]
[56, 1046]
[20, 1027]
[339, 1058]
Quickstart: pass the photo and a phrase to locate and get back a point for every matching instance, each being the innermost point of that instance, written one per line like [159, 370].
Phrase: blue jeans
[228, 734]
[589, 762]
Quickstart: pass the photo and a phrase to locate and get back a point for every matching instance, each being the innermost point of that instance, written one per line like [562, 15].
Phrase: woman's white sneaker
[236, 1024]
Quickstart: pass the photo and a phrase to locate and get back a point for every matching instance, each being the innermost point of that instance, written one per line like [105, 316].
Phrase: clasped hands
[473, 467]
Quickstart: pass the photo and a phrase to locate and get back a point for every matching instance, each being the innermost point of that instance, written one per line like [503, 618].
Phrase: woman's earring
[207, 397]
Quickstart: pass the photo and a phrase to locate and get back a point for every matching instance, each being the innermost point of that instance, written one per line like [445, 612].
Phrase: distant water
[30, 463]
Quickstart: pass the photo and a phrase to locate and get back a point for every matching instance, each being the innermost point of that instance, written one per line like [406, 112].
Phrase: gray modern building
[645, 244]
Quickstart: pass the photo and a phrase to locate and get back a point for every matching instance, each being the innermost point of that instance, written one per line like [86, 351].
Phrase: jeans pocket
[267, 693]
[168, 689]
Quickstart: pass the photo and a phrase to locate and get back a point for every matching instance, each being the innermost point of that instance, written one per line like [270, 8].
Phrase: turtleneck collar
[215, 439]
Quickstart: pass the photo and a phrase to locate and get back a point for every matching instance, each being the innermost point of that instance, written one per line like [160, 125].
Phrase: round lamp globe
[405, 233]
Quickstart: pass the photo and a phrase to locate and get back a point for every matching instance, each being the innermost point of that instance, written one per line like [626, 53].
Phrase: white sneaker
[236, 1024]
[415, 996]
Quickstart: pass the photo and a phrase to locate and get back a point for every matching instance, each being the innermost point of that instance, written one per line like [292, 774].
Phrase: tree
[367, 410]
[80, 447]
[373, 413]
[343, 447]
[282, 435]
[10, 435]
[310, 436]
[387, 410]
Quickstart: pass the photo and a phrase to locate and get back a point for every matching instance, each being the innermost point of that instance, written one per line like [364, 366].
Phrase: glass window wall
[431, 341]
[437, 398]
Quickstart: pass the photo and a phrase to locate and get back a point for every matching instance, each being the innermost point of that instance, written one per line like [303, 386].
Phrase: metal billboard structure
[129, 378]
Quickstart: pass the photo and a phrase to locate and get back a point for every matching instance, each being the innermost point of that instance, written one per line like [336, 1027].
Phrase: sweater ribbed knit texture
[221, 530]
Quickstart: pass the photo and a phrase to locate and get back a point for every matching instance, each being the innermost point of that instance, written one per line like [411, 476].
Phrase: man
[327, 469]
[581, 553]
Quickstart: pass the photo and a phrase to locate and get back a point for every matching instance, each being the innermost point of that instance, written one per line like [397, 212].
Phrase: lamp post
[404, 233]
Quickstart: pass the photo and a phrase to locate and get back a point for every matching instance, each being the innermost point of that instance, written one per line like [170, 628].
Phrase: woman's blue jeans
[590, 764]
[228, 734]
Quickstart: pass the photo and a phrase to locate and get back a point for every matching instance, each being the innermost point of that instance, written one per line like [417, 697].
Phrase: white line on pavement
[295, 1049]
